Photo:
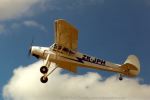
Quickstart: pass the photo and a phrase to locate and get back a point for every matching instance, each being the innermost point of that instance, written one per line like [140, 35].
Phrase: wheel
[120, 78]
[43, 69]
[44, 79]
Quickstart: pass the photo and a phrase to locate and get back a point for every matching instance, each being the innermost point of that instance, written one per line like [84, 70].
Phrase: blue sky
[109, 29]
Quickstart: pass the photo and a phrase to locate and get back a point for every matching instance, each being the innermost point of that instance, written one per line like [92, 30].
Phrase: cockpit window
[62, 49]
[66, 49]
[59, 47]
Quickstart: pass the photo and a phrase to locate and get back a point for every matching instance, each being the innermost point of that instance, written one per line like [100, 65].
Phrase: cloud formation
[19, 8]
[32, 23]
[11, 9]
[59, 5]
[25, 85]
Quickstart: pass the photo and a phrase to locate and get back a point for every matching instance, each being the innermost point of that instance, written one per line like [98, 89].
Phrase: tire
[120, 78]
[44, 79]
[43, 69]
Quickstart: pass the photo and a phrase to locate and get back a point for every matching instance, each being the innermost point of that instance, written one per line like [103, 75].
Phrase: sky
[108, 29]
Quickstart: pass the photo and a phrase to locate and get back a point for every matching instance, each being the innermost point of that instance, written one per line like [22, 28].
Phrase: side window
[62, 49]
[59, 47]
[66, 50]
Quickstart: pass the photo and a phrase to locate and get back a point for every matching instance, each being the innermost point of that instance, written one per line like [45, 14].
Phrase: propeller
[30, 49]
[29, 52]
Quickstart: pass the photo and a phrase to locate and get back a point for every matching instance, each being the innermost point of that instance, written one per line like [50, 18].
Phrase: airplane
[64, 52]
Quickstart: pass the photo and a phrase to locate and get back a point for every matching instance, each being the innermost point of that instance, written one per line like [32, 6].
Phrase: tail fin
[132, 59]
[131, 66]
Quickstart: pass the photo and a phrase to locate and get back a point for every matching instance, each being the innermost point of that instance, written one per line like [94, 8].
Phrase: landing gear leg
[44, 68]
[52, 71]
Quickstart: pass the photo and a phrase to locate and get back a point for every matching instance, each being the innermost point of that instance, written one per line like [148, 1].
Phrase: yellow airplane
[64, 52]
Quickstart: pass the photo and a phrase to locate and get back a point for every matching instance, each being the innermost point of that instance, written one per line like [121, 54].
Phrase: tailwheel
[44, 79]
[120, 77]
[43, 69]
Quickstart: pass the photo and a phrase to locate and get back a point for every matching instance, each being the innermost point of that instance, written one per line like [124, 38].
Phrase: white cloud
[59, 5]
[25, 85]
[11, 9]
[32, 23]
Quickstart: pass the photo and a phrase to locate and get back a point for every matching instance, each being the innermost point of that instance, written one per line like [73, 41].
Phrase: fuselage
[62, 56]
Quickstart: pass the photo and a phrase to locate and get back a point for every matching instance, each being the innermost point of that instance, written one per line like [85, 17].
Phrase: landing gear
[43, 69]
[120, 77]
[44, 79]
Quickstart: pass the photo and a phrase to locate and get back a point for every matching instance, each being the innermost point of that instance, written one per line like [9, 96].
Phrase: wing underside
[66, 35]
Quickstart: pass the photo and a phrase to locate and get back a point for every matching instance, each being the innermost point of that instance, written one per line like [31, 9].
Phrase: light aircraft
[64, 52]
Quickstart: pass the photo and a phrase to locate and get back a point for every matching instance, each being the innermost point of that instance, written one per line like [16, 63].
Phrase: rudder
[131, 66]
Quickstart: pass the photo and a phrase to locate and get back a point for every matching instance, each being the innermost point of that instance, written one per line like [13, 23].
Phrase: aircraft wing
[69, 67]
[66, 35]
